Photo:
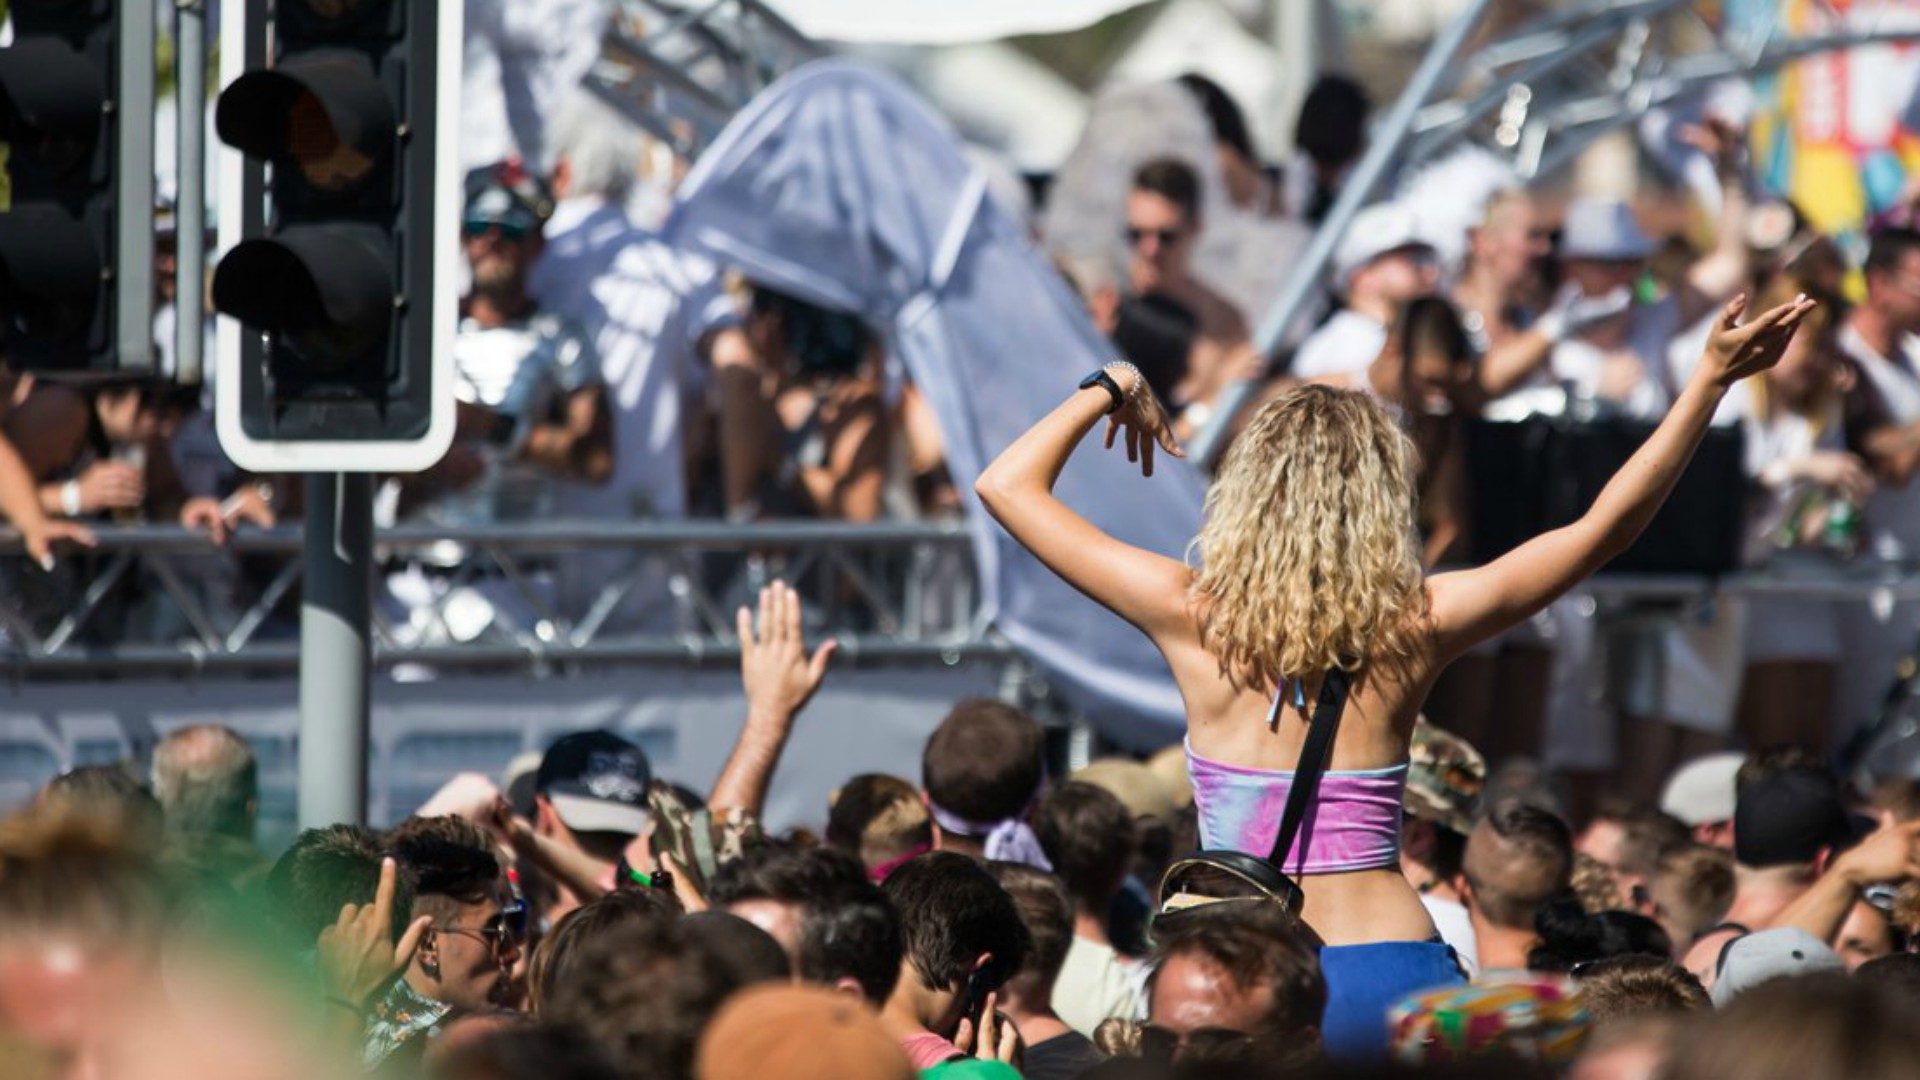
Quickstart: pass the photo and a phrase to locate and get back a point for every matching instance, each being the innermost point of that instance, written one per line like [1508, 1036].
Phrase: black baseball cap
[1790, 816]
[597, 782]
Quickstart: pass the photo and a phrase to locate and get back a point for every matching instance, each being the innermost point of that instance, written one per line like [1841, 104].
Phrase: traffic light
[339, 216]
[76, 234]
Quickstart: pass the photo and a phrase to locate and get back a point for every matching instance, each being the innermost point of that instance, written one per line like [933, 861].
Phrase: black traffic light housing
[340, 280]
[76, 234]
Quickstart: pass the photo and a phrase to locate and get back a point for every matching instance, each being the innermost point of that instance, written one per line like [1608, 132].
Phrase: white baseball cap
[1378, 230]
[1603, 229]
[1701, 791]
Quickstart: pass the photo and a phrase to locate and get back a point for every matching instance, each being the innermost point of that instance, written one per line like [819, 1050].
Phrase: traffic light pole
[190, 215]
[334, 648]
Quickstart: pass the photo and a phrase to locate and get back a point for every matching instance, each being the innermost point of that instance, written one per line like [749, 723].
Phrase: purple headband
[1011, 840]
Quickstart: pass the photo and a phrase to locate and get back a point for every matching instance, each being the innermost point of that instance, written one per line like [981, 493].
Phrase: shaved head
[1517, 858]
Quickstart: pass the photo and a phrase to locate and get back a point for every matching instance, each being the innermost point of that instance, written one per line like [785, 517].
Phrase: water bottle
[1842, 534]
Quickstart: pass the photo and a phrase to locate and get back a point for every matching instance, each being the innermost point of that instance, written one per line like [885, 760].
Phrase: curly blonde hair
[1308, 558]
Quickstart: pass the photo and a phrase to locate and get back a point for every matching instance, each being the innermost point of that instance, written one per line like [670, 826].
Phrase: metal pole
[131, 261]
[334, 648]
[1383, 149]
[190, 211]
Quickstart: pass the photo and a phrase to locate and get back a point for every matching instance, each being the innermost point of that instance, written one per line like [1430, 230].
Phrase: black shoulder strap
[1313, 760]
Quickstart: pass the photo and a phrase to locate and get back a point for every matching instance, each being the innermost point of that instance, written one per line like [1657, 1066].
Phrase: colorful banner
[1834, 132]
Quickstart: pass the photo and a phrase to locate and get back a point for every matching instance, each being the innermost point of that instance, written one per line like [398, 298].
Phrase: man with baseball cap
[1700, 794]
[528, 381]
[1383, 262]
[590, 796]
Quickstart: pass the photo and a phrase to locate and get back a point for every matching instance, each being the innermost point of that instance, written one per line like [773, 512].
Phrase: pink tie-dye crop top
[1353, 823]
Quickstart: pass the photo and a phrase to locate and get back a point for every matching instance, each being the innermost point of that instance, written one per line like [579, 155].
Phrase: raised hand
[1736, 350]
[1142, 418]
[357, 954]
[775, 668]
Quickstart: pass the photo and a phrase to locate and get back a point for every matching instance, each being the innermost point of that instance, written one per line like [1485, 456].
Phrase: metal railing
[159, 599]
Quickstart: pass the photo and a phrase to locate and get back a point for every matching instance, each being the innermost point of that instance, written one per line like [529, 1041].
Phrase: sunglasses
[1166, 236]
[1202, 1044]
[508, 926]
[476, 229]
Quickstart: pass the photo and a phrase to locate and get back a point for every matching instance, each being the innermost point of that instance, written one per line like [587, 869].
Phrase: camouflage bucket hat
[1444, 777]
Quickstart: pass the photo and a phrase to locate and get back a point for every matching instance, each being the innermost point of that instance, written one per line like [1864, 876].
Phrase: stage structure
[1536, 97]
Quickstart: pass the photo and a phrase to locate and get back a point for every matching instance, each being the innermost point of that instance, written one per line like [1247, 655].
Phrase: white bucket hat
[1375, 231]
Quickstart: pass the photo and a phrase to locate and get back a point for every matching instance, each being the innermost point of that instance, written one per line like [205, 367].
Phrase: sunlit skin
[1193, 993]
[1162, 255]
[1866, 935]
[459, 965]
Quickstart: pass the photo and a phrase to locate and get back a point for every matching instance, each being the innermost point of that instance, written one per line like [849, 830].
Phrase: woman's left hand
[1143, 419]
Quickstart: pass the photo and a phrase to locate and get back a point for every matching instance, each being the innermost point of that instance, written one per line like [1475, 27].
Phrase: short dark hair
[449, 860]
[1533, 861]
[858, 938]
[1229, 124]
[951, 910]
[879, 818]
[984, 762]
[1888, 248]
[749, 954]
[1569, 937]
[1047, 912]
[1088, 836]
[1634, 985]
[325, 870]
[1647, 834]
[1771, 761]
[847, 928]
[559, 952]
[644, 990]
[1256, 945]
[1333, 120]
[1897, 972]
[1173, 180]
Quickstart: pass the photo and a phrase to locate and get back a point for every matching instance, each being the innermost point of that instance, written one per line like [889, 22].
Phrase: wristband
[70, 498]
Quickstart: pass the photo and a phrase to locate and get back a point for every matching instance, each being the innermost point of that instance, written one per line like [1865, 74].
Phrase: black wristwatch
[1101, 379]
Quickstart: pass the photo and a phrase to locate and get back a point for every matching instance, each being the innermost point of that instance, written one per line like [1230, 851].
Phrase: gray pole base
[337, 588]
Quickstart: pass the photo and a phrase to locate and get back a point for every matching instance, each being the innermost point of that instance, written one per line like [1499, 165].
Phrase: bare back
[1226, 723]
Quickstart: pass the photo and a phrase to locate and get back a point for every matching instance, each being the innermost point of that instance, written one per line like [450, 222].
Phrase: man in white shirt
[657, 316]
[1383, 263]
[1883, 426]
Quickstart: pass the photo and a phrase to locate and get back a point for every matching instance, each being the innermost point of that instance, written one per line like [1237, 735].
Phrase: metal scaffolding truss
[1542, 94]
[164, 600]
[1537, 96]
[681, 71]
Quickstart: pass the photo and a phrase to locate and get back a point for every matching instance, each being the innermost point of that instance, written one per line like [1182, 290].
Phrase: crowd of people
[1435, 902]
[579, 916]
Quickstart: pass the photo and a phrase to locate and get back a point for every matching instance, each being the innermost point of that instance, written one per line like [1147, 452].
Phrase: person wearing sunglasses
[533, 404]
[1163, 225]
[478, 927]
[1235, 983]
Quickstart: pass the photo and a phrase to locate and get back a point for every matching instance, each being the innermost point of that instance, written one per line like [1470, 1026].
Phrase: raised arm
[1142, 587]
[1473, 605]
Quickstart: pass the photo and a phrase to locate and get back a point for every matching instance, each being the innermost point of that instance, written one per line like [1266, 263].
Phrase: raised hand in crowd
[1736, 350]
[780, 676]
[1141, 416]
[1888, 856]
[358, 955]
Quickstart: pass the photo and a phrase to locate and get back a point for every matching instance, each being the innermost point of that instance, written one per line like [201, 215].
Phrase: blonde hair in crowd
[1308, 559]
